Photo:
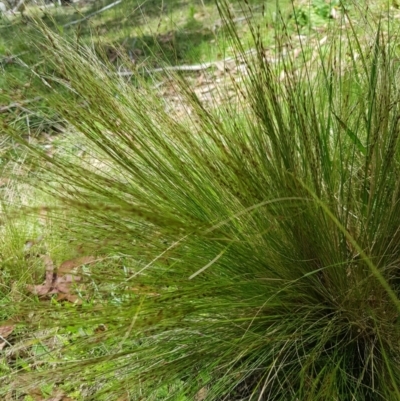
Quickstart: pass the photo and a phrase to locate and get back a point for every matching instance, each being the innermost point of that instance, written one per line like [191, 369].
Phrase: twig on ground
[194, 67]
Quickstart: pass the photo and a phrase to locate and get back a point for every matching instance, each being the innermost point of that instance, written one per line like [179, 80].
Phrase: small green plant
[317, 12]
[324, 8]
[258, 239]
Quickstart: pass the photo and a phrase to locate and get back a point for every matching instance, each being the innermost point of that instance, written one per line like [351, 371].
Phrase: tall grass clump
[260, 237]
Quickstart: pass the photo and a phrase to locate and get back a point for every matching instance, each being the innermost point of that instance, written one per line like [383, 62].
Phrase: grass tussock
[257, 242]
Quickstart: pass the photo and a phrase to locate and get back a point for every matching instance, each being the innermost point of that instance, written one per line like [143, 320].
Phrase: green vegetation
[240, 246]
[132, 35]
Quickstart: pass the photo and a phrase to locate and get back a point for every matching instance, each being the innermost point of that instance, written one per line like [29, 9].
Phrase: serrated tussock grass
[263, 234]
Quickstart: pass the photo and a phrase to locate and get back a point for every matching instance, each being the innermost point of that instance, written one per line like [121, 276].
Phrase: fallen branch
[194, 67]
[93, 14]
